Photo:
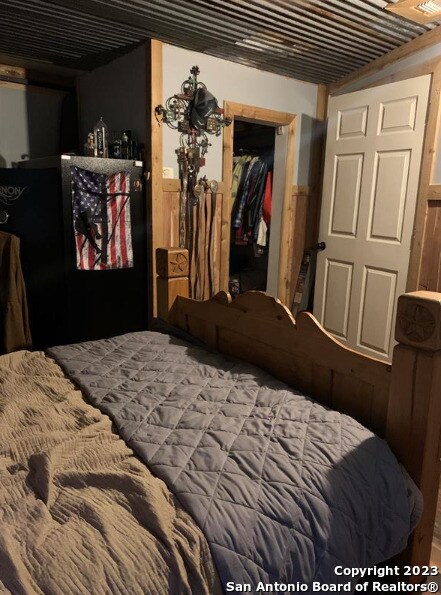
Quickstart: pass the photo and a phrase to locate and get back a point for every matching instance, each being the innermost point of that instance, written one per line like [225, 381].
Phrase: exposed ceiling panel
[313, 40]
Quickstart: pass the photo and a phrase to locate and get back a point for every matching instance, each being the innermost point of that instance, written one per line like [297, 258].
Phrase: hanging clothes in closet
[250, 220]
[251, 199]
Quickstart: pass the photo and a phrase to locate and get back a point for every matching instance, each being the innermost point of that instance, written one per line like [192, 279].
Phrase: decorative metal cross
[180, 108]
[195, 113]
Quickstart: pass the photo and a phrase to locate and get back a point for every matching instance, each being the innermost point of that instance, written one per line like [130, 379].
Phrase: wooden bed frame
[400, 402]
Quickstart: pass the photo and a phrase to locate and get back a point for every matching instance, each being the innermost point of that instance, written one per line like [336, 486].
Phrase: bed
[285, 486]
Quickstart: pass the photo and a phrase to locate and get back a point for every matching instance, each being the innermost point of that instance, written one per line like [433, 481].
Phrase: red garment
[267, 199]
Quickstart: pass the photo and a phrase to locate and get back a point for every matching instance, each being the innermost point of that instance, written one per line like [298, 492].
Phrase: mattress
[283, 488]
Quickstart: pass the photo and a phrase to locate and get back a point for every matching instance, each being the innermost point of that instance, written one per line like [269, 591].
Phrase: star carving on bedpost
[419, 320]
[179, 263]
[172, 262]
[417, 323]
[172, 266]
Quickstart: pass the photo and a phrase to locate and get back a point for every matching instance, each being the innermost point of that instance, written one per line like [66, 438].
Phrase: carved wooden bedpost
[414, 412]
[172, 268]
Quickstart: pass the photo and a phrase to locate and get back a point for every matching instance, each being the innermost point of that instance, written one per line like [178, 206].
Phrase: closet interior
[251, 200]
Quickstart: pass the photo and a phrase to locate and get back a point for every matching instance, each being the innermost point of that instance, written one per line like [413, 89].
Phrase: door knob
[321, 246]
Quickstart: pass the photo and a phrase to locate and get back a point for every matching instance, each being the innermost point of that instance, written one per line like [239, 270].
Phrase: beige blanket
[78, 512]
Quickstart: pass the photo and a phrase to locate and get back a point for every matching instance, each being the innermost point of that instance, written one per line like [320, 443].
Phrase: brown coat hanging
[15, 333]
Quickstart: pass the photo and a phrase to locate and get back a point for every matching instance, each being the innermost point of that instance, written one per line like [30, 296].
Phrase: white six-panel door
[372, 167]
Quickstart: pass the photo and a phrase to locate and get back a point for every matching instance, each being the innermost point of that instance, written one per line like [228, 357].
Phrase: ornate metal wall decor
[194, 112]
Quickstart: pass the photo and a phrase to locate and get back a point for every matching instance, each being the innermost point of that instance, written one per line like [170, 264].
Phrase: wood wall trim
[321, 109]
[32, 88]
[285, 231]
[419, 43]
[171, 184]
[259, 114]
[434, 192]
[427, 167]
[317, 166]
[408, 73]
[174, 185]
[272, 118]
[17, 72]
[227, 178]
[28, 76]
[430, 272]
[301, 190]
[298, 217]
[154, 146]
[306, 200]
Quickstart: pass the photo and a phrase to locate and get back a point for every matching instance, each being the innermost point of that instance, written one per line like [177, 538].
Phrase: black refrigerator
[68, 305]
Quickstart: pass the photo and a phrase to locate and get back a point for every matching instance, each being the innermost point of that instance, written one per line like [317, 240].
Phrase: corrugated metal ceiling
[313, 40]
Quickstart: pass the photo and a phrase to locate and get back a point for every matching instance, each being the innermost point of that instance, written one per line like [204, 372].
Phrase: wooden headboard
[400, 402]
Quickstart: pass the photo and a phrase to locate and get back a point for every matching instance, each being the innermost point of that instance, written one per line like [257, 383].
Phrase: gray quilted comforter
[283, 488]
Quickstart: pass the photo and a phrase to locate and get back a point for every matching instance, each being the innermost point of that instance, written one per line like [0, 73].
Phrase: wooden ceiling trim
[422, 42]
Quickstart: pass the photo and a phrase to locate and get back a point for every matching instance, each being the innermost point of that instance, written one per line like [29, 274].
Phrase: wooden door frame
[273, 118]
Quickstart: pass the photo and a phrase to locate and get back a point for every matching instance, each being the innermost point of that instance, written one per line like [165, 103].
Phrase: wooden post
[172, 268]
[414, 411]
[155, 202]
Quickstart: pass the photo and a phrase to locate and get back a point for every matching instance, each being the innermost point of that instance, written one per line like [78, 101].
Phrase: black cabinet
[65, 304]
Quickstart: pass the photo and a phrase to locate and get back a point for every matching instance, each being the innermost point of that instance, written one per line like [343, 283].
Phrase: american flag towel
[101, 217]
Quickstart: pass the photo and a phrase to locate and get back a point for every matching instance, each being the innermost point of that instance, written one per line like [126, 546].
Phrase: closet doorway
[253, 165]
[256, 223]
